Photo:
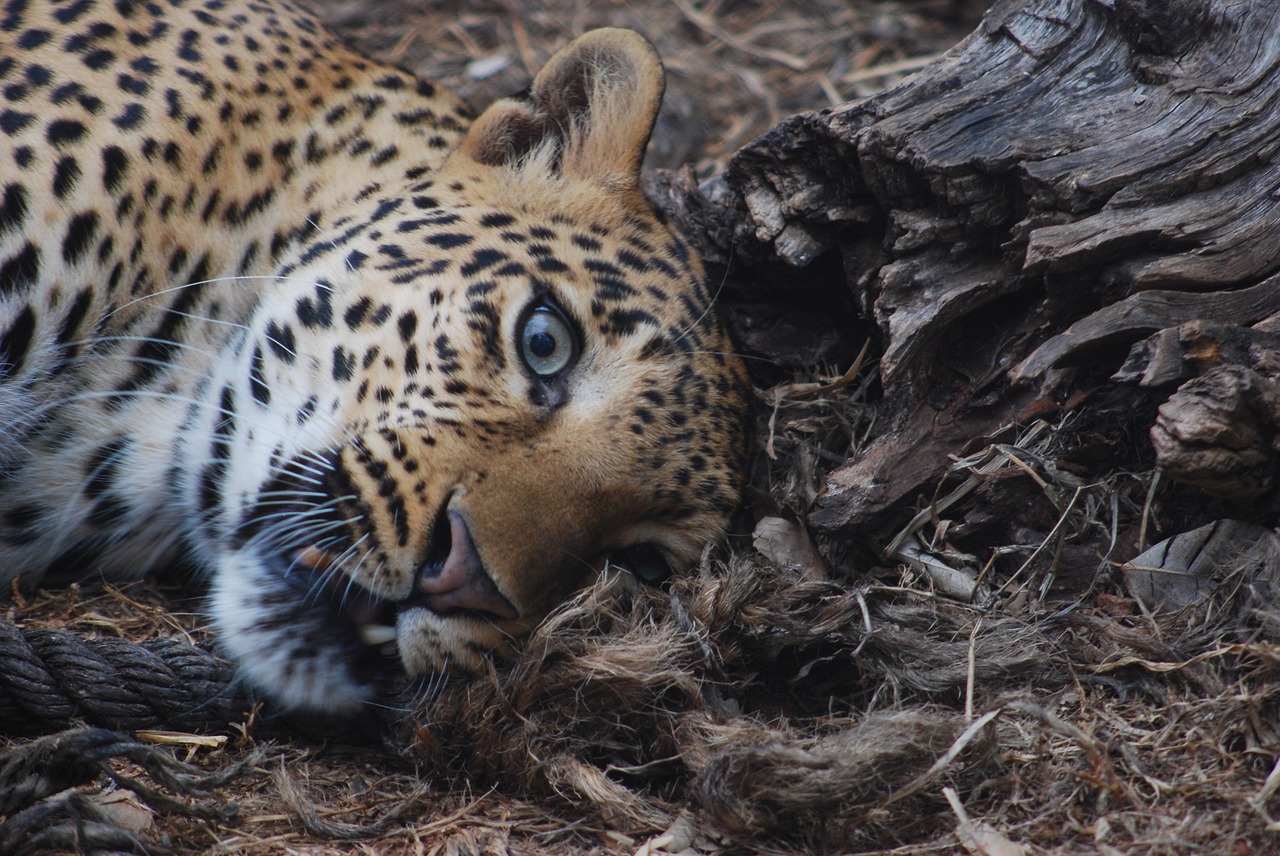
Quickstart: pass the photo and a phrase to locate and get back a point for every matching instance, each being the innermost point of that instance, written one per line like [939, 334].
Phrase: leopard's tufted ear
[588, 114]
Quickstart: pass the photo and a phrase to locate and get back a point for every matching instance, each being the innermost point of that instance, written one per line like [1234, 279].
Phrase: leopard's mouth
[451, 582]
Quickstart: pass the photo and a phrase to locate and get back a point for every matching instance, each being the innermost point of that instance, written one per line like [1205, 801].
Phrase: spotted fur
[290, 314]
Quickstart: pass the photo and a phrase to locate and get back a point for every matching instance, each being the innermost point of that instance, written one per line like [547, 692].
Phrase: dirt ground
[776, 702]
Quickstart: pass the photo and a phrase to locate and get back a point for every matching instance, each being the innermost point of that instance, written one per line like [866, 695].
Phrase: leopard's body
[288, 313]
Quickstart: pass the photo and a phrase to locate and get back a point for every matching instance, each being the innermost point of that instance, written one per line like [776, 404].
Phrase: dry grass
[770, 705]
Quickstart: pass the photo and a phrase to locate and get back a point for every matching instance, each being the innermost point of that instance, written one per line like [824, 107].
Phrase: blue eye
[547, 343]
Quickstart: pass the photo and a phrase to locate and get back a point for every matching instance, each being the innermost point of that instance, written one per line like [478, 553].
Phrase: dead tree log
[1076, 207]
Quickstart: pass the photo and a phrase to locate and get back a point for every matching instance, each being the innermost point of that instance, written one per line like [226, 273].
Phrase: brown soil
[783, 704]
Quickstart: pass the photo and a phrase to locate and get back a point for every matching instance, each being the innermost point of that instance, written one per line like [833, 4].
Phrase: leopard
[395, 380]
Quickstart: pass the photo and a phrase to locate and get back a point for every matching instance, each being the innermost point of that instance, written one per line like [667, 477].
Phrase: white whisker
[233, 278]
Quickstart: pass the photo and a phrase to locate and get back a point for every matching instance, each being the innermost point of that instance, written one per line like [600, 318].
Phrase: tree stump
[1077, 209]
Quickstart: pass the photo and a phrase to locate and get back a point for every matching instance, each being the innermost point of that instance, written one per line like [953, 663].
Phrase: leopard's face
[440, 426]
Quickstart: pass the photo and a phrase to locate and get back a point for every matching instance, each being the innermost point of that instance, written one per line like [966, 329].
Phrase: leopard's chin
[304, 645]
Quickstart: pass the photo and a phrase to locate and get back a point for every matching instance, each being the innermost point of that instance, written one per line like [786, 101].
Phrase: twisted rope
[50, 679]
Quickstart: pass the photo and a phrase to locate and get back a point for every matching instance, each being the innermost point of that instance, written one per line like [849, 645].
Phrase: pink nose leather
[463, 582]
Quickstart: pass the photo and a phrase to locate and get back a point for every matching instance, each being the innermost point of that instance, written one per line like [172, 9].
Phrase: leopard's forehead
[623, 281]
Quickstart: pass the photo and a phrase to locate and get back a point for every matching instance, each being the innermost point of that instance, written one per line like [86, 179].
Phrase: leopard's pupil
[542, 344]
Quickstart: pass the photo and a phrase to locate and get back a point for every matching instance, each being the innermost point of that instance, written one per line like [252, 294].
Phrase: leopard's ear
[588, 114]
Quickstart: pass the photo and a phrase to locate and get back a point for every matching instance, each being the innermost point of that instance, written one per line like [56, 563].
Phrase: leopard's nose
[461, 582]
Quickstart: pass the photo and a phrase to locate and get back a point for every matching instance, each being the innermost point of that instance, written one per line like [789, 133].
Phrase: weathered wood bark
[1075, 179]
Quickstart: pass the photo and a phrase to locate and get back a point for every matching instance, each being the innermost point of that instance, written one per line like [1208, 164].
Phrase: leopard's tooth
[377, 634]
[390, 649]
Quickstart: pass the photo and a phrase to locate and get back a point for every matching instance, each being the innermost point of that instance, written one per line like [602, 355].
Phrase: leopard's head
[469, 395]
